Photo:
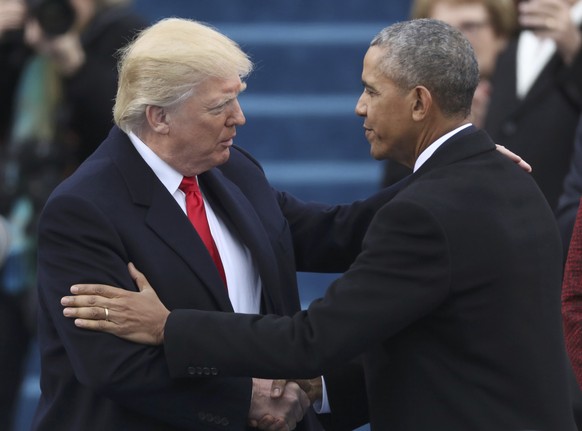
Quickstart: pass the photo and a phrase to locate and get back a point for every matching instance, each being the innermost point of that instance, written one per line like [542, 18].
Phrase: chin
[377, 155]
[224, 156]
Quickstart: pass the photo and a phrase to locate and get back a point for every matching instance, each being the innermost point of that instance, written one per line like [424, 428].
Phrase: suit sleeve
[401, 275]
[347, 396]
[328, 238]
[78, 244]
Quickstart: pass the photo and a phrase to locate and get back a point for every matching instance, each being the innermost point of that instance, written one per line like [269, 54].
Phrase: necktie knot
[189, 185]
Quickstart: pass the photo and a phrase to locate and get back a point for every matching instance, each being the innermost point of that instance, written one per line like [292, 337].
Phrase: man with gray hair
[170, 192]
[454, 301]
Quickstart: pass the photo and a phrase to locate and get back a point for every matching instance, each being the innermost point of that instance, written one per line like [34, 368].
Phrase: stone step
[276, 10]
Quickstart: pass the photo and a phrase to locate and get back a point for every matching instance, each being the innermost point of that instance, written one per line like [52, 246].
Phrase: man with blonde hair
[232, 245]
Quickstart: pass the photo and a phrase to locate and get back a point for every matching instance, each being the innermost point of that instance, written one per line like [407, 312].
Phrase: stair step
[275, 10]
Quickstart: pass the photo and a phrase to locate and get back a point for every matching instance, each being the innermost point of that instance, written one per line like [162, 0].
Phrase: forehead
[220, 87]
[457, 14]
[372, 59]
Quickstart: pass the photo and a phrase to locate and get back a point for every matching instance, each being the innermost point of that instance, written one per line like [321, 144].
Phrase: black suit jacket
[114, 210]
[454, 303]
[540, 127]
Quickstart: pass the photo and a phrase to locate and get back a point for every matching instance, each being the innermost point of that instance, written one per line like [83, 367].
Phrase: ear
[157, 118]
[422, 103]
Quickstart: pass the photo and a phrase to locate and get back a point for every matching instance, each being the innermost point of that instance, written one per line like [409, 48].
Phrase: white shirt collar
[429, 151]
[169, 177]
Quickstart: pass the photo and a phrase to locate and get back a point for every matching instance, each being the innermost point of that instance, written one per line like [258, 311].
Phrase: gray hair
[165, 63]
[435, 55]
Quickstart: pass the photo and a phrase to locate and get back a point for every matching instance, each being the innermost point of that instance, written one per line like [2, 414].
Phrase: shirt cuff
[322, 406]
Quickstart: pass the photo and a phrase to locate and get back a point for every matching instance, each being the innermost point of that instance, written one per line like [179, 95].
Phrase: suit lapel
[164, 216]
[544, 81]
[173, 227]
[240, 216]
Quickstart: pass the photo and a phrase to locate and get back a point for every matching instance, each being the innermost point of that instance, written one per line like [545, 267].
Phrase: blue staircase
[299, 103]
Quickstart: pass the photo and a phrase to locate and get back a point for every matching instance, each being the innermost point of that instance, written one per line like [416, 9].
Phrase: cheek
[383, 118]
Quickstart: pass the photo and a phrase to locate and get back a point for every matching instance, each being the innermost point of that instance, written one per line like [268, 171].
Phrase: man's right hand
[313, 388]
[280, 413]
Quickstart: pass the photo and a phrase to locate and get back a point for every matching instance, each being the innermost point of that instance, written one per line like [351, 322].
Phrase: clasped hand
[141, 317]
[277, 410]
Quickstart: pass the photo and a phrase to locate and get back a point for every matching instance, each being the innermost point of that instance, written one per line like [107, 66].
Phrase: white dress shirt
[242, 276]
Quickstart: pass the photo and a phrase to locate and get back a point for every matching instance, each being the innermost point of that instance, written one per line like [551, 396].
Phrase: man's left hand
[514, 157]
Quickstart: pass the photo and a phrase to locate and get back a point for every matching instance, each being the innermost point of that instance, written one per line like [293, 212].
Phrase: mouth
[228, 142]
[368, 131]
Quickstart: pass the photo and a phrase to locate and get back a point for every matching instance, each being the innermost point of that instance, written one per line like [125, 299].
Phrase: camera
[55, 17]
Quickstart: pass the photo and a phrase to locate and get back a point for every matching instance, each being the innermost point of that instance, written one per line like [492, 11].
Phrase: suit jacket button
[214, 371]
[224, 422]
[191, 371]
[206, 371]
[199, 371]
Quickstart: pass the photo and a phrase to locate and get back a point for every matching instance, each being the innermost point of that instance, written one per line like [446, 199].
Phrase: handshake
[280, 404]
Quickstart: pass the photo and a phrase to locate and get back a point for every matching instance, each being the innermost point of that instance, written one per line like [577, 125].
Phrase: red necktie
[197, 215]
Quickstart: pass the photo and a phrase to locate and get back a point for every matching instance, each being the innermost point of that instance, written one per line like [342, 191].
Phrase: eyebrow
[369, 86]
[224, 100]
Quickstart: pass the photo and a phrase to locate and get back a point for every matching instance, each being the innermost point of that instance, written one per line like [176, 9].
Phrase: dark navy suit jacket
[114, 210]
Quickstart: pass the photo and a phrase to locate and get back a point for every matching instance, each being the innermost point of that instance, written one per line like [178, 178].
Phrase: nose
[237, 118]
[361, 106]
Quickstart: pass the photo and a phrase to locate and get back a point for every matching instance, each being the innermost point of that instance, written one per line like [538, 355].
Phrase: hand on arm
[135, 316]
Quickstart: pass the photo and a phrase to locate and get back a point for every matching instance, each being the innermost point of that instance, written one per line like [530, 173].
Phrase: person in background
[16, 324]
[454, 300]
[57, 82]
[569, 201]
[536, 100]
[572, 298]
[489, 25]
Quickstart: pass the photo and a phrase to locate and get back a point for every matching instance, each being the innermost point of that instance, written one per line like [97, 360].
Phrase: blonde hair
[502, 13]
[163, 65]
